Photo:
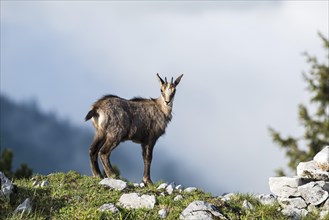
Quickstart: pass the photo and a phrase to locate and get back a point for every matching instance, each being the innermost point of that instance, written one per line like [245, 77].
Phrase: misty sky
[241, 62]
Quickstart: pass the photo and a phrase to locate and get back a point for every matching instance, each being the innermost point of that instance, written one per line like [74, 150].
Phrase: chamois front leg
[105, 154]
[147, 157]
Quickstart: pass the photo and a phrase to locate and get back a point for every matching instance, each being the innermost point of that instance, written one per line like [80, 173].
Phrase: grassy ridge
[73, 196]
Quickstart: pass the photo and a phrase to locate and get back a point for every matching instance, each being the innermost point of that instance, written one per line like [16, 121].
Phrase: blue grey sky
[241, 62]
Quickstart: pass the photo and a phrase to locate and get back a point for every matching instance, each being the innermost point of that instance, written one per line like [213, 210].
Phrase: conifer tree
[6, 159]
[314, 118]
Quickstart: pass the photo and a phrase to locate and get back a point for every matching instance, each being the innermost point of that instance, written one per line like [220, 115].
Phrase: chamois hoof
[148, 182]
[98, 175]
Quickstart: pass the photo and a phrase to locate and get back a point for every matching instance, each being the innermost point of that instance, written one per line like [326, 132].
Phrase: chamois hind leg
[147, 157]
[93, 152]
[105, 153]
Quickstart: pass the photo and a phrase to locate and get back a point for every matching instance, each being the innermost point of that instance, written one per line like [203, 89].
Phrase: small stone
[109, 207]
[228, 197]
[142, 185]
[136, 184]
[190, 189]
[44, 183]
[268, 199]
[163, 213]
[35, 183]
[292, 203]
[201, 210]
[179, 187]
[285, 186]
[24, 208]
[114, 183]
[135, 201]
[247, 205]
[178, 197]
[162, 194]
[313, 193]
[162, 186]
[170, 188]
[322, 159]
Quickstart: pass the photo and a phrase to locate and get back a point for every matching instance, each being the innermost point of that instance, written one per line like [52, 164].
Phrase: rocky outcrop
[308, 190]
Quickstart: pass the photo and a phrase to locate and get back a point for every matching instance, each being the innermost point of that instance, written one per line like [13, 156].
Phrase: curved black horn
[161, 80]
[166, 79]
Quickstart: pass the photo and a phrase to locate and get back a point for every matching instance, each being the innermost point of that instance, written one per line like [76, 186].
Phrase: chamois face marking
[168, 93]
[168, 89]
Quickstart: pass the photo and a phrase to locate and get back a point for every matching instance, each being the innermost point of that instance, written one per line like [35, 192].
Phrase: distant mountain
[44, 142]
[48, 144]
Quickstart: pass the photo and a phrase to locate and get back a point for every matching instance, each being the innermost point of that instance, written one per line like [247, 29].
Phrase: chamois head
[168, 89]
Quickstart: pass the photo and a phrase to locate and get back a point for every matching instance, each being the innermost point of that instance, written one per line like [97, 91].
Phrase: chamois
[140, 120]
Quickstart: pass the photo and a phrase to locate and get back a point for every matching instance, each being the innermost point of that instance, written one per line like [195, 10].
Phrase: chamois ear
[178, 80]
[160, 80]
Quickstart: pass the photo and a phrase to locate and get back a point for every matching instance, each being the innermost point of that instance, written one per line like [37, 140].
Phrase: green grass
[74, 196]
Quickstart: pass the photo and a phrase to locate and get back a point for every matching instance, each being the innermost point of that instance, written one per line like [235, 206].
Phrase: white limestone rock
[324, 185]
[35, 184]
[170, 188]
[44, 183]
[189, 189]
[294, 213]
[313, 193]
[179, 187]
[6, 185]
[201, 210]
[285, 186]
[228, 197]
[135, 201]
[162, 186]
[163, 213]
[178, 197]
[267, 199]
[109, 207]
[310, 170]
[322, 159]
[247, 205]
[297, 202]
[114, 183]
[24, 208]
